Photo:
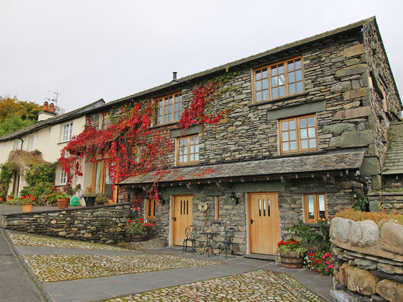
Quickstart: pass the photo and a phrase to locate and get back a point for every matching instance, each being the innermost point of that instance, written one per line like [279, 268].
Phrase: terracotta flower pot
[2, 199]
[27, 207]
[63, 203]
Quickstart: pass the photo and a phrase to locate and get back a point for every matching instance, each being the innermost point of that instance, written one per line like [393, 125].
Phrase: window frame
[67, 135]
[150, 208]
[298, 136]
[316, 207]
[160, 115]
[31, 144]
[286, 80]
[63, 177]
[102, 179]
[188, 145]
[104, 116]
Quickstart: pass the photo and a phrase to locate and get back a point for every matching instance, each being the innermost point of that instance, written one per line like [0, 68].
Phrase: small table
[208, 247]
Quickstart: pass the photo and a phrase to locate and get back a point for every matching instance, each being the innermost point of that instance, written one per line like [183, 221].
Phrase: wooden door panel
[264, 223]
[182, 217]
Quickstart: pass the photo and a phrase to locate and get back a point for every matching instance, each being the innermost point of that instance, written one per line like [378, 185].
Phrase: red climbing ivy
[131, 146]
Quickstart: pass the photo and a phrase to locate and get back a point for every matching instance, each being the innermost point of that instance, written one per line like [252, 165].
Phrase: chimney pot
[45, 106]
[51, 108]
[174, 76]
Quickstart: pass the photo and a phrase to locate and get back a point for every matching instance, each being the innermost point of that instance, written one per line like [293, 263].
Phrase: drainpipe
[22, 142]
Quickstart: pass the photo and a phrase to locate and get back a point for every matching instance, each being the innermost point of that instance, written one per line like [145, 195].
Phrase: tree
[16, 114]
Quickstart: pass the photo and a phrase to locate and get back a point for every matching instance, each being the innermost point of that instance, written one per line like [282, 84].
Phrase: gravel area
[31, 240]
[253, 286]
[50, 268]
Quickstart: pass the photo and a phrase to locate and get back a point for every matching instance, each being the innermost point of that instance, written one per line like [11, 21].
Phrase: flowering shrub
[139, 227]
[320, 262]
[27, 199]
[130, 146]
[285, 248]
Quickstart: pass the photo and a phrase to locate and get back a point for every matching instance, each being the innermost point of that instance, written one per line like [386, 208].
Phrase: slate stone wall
[368, 260]
[290, 198]
[339, 76]
[104, 224]
[382, 88]
[391, 201]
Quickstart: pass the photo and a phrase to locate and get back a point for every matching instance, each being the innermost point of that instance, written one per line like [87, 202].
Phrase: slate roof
[394, 159]
[327, 162]
[54, 120]
[248, 61]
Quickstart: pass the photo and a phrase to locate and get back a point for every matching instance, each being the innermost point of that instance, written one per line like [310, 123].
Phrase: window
[169, 108]
[17, 145]
[150, 209]
[31, 144]
[278, 80]
[217, 208]
[315, 207]
[63, 177]
[187, 149]
[101, 181]
[67, 132]
[104, 120]
[298, 134]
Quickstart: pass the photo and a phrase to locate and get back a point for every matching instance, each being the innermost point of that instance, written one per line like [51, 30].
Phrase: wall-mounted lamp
[161, 199]
[233, 198]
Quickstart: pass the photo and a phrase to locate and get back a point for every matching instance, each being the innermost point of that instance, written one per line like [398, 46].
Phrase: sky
[85, 50]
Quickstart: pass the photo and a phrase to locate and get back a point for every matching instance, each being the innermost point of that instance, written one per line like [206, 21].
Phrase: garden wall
[105, 224]
[391, 201]
[368, 260]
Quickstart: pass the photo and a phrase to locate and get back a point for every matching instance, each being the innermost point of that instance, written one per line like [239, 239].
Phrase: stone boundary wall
[391, 201]
[368, 260]
[104, 224]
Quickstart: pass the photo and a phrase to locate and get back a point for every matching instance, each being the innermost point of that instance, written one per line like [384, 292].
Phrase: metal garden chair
[228, 244]
[190, 233]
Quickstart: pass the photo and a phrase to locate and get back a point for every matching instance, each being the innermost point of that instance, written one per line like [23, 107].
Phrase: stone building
[307, 134]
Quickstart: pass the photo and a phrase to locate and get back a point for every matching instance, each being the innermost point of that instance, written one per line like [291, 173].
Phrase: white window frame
[67, 132]
[17, 145]
[63, 177]
[31, 144]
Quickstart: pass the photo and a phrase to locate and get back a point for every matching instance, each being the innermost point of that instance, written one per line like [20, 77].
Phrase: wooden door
[264, 223]
[182, 216]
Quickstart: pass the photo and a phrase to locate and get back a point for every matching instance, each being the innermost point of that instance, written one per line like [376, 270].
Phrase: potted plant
[27, 202]
[89, 197]
[139, 230]
[10, 196]
[2, 196]
[291, 253]
[63, 200]
[101, 198]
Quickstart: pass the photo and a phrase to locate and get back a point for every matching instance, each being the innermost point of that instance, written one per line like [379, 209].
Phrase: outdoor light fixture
[161, 199]
[233, 198]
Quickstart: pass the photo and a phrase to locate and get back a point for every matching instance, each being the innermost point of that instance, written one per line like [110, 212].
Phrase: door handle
[174, 218]
[252, 221]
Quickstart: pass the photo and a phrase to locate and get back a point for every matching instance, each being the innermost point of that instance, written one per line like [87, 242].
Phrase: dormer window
[278, 80]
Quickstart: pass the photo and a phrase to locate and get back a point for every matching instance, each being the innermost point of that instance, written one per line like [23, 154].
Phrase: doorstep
[260, 257]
